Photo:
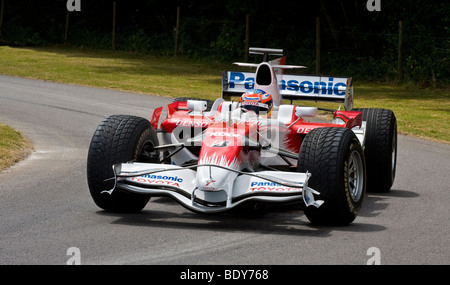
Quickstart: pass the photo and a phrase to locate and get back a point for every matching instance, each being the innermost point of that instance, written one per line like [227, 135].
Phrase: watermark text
[375, 256]
[373, 5]
[75, 256]
[73, 5]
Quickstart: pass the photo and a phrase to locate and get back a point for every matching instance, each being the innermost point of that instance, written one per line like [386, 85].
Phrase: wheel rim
[394, 152]
[355, 176]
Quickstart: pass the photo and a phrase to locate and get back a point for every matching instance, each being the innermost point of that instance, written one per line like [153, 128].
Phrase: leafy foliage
[354, 41]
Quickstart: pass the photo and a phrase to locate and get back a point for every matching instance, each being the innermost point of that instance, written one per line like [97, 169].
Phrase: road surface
[48, 217]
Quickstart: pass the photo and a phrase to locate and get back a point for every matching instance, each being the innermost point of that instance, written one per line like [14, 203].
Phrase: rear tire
[380, 148]
[119, 139]
[335, 159]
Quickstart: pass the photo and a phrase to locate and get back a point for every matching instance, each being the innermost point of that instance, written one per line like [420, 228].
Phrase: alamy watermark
[73, 5]
[375, 256]
[373, 5]
[75, 256]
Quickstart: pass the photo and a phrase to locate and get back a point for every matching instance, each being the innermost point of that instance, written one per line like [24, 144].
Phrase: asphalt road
[47, 214]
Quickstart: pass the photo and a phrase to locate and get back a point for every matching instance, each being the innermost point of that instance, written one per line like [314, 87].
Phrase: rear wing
[294, 87]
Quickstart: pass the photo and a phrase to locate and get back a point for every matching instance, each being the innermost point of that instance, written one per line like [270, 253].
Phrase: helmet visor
[257, 108]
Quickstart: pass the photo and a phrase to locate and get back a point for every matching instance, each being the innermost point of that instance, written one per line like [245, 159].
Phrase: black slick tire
[380, 148]
[118, 139]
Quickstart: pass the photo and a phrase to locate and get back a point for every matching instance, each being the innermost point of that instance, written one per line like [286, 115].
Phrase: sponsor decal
[251, 103]
[208, 185]
[220, 144]
[310, 85]
[304, 130]
[239, 77]
[328, 88]
[264, 184]
[208, 188]
[223, 134]
[270, 186]
[277, 189]
[159, 179]
[247, 97]
[195, 124]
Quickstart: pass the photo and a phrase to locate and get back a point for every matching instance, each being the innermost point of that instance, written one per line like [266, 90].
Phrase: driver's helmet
[257, 101]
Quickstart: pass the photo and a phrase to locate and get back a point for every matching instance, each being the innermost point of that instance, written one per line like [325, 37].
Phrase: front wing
[179, 183]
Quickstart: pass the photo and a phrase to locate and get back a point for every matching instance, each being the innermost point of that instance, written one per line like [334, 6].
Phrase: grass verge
[420, 112]
[13, 147]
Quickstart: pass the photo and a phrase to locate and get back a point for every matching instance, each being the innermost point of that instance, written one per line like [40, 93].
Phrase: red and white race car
[249, 147]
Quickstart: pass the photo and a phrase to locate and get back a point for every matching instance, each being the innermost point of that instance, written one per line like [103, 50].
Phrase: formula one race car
[248, 148]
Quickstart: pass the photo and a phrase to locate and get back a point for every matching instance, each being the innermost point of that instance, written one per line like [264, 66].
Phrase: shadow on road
[275, 221]
[376, 203]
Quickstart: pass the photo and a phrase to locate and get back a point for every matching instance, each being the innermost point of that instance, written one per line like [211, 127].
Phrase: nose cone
[215, 186]
[215, 175]
[222, 151]
[214, 178]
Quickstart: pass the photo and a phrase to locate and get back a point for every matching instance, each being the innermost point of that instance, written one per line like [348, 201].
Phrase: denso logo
[194, 124]
[306, 86]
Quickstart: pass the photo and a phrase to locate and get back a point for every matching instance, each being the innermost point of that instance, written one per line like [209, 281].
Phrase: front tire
[119, 139]
[380, 148]
[335, 159]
